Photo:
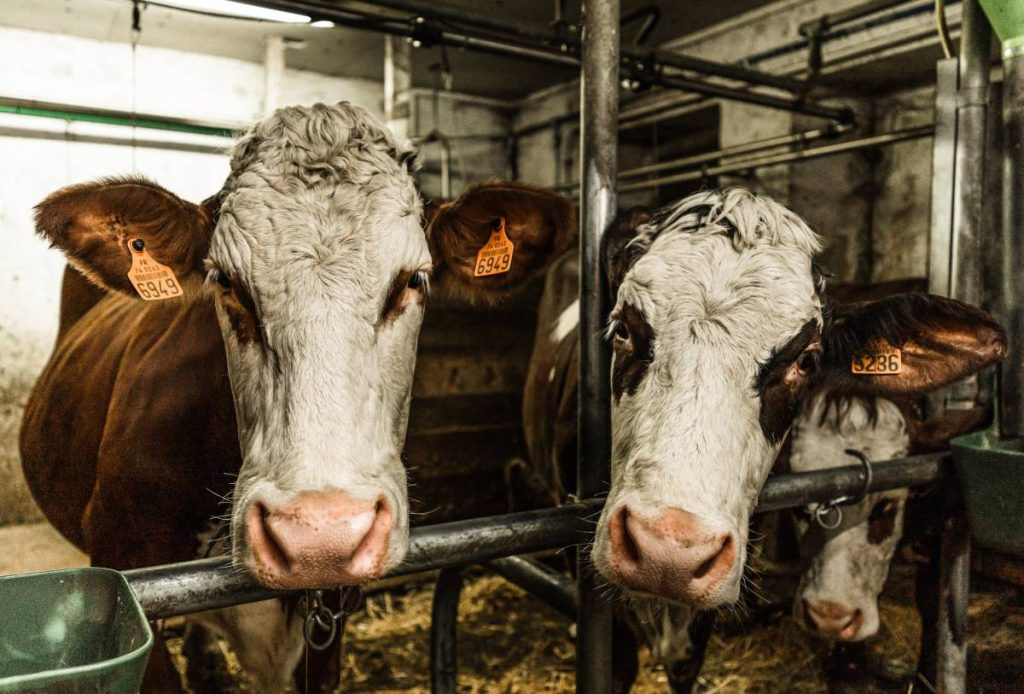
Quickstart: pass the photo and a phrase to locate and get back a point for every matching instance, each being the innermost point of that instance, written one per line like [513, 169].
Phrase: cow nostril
[268, 543]
[622, 539]
[854, 617]
[715, 561]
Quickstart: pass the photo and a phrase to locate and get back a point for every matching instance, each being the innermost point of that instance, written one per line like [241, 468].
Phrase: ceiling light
[322, 24]
[229, 8]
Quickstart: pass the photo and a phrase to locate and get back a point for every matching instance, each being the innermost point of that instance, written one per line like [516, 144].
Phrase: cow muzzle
[830, 620]
[319, 539]
[673, 554]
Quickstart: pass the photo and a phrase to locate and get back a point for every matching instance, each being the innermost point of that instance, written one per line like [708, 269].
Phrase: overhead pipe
[646, 69]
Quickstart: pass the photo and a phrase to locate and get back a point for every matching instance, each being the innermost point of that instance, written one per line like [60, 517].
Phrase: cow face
[838, 593]
[718, 333]
[316, 256]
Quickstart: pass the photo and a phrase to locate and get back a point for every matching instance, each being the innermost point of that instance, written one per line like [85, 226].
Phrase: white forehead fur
[849, 570]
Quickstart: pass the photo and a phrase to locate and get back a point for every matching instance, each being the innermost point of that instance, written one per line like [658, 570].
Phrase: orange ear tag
[495, 258]
[152, 280]
[882, 359]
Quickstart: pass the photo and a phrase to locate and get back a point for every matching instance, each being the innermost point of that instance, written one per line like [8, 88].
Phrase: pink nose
[318, 540]
[830, 620]
[672, 554]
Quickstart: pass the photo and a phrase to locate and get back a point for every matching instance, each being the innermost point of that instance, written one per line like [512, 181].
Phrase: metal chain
[321, 626]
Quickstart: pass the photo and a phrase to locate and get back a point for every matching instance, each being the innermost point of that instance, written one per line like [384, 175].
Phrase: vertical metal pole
[954, 593]
[1013, 238]
[444, 621]
[599, 116]
[969, 174]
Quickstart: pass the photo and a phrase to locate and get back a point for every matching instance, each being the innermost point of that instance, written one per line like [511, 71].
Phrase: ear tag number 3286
[881, 360]
[495, 258]
[152, 280]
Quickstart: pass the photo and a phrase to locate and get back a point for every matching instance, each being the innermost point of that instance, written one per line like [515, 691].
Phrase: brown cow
[275, 391]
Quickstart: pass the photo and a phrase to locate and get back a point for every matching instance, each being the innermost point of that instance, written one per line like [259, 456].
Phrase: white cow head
[316, 257]
[718, 333]
[838, 593]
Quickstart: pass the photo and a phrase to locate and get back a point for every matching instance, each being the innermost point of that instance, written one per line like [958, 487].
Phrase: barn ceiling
[344, 51]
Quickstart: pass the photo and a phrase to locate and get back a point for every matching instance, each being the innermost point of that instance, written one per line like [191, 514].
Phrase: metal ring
[823, 511]
[313, 622]
[869, 474]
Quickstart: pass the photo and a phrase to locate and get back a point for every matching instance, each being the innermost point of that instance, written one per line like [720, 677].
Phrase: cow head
[719, 331]
[316, 257]
[838, 593]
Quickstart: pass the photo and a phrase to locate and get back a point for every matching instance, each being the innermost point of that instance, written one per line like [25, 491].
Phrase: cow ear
[540, 224]
[618, 254]
[934, 434]
[940, 341]
[93, 224]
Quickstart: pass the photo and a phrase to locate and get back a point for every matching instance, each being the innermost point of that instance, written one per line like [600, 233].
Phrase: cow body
[272, 389]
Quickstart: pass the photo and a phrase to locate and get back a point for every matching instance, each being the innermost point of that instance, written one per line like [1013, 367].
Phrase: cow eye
[620, 332]
[809, 361]
[418, 279]
[220, 278]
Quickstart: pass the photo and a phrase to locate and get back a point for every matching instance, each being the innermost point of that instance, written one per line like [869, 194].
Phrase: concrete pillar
[397, 83]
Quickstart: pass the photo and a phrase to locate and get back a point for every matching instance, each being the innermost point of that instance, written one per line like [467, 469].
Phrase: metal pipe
[444, 624]
[599, 116]
[69, 112]
[206, 584]
[1012, 397]
[757, 146]
[540, 580]
[771, 160]
[645, 67]
[833, 19]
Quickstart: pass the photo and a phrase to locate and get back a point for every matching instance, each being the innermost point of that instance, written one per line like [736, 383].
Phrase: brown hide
[129, 435]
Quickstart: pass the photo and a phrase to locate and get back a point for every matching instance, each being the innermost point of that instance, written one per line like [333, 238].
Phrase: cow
[720, 329]
[253, 356]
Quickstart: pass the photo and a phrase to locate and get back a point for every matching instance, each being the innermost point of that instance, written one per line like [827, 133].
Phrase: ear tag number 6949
[151, 279]
[495, 257]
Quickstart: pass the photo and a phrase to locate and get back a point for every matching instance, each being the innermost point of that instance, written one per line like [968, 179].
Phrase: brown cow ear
[540, 224]
[940, 341]
[93, 223]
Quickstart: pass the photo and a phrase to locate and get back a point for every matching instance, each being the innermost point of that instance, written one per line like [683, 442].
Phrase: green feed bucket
[1007, 18]
[73, 631]
[991, 472]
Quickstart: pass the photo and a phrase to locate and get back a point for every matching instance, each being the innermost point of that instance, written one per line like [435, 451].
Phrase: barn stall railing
[188, 587]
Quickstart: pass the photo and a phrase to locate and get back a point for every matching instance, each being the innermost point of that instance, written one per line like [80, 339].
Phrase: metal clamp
[831, 508]
[321, 625]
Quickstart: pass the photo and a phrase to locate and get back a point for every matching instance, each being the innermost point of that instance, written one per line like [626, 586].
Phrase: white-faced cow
[720, 329]
[286, 358]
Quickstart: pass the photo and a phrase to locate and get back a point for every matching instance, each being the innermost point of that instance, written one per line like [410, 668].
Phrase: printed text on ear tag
[495, 257]
[153, 281]
[882, 359]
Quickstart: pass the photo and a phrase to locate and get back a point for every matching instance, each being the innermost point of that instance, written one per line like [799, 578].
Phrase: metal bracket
[321, 625]
[822, 512]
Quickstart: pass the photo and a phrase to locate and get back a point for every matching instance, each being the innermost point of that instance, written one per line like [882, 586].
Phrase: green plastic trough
[991, 473]
[73, 631]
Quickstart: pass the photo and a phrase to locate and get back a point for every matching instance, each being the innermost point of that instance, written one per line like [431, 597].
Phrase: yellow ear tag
[495, 257]
[882, 359]
[152, 280]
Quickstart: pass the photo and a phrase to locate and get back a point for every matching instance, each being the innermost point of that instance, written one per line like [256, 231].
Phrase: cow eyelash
[215, 275]
[809, 361]
[618, 331]
[420, 280]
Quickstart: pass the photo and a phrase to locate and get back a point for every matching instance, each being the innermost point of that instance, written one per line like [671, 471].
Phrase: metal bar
[755, 147]
[558, 52]
[943, 161]
[50, 109]
[954, 595]
[444, 624]
[833, 19]
[1012, 397]
[785, 157]
[540, 580]
[599, 116]
[206, 584]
